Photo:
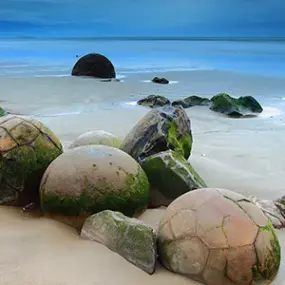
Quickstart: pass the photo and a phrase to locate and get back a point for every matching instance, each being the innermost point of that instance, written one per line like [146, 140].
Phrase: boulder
[94, 65]
[92, 178]
[159, 130]
[153, 101]
[243, 106]
[216, 236]
[129, 237]
[274, 210]
[192, 101]
[160, 80]
[27, 147]
[170, 175]
[96, 137]
[2, 112]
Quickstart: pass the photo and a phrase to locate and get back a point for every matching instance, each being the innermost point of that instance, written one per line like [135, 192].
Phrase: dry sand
[244, 155]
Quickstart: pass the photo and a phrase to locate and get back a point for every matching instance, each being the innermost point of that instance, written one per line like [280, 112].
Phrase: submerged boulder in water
[94, 65]
[159, 130]
[235, 107]
[153, 101]
[160, 80]
[129, 237]
[192, 101]
[170, 176]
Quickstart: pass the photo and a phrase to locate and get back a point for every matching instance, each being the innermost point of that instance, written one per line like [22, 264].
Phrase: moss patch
[2, 112]
[131, 199]
[179, 143]
[171, 174]
[273, 260]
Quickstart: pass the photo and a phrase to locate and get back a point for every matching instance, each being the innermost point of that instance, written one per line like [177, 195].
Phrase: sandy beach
[244, 155]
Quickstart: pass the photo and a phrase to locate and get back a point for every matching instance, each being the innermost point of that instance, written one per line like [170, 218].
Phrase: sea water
[20, 57]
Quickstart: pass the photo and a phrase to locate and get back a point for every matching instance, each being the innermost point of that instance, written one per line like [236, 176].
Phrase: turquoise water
[55, 57]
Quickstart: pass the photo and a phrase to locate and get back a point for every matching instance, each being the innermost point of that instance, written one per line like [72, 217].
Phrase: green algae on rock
[235, 107]
[192, 101]
[88, 179]
[159, 130]
[96, 137]
[2, 112]
[217, 236]
[154, 101]
[129, 237]
[27, 147]
[170, 176]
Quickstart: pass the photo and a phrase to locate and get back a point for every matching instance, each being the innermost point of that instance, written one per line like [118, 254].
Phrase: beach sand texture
[243, 155]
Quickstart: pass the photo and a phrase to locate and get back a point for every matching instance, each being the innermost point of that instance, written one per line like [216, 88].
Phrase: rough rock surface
[153, 101]
[159, 130]
[27, 147]
[170, 175]
[243, 106]
[192, 101]
[160, 80]
[96, 137]
[94, 65]
[129, 237]
[217, 236]
[88, 179]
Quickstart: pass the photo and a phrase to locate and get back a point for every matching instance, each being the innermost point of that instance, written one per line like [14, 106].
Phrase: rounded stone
[96, 137]
[237, 247]
[27, 147]
[89, 179]
[94, 65]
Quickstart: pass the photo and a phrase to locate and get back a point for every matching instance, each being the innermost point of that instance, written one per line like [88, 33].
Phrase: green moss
[272, 262]
[23, 168]
[171, 174]
[192, 101]
[132, 198]
[181, 144]
[2, 112]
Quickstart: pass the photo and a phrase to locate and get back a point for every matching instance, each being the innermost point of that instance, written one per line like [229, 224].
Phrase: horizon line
[158, 38]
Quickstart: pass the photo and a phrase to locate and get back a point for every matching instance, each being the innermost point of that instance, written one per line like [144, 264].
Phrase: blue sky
[196, 18]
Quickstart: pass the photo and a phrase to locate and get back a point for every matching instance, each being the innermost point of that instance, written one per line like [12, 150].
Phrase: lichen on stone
[129, 237]
[171, 175]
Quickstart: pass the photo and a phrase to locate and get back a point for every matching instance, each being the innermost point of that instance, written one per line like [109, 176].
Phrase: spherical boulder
[94, 65]
[217, 236]
[27, 147]
[89, 179]
[96, 137]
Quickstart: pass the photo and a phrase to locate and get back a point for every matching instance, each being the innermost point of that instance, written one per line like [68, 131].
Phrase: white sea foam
[270, 112]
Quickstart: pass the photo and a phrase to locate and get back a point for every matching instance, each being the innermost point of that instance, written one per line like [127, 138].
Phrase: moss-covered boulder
[192, 101]
[160, 80]
[170, 176]
[96, 137]
[153, 101]
[129, 237]
[2, 112]
[88, 179]
[159, 130]
[27, 147]
[235, 107]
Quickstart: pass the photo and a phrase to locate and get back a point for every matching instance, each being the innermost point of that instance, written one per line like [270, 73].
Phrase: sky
[142, 18]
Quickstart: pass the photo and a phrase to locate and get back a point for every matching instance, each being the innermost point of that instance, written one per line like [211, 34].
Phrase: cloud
[147, 15]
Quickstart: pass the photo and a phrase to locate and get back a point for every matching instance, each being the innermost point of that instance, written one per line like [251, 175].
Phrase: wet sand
[244, 155]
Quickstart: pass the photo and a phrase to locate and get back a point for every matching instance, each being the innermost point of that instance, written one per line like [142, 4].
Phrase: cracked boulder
[27, 147]
[159, 130]
[129, 237]
[170, 175]
[88, 179]
[216, 236]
